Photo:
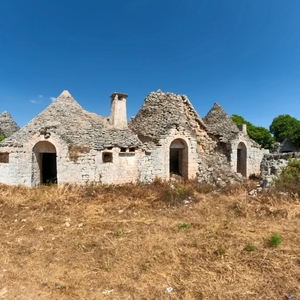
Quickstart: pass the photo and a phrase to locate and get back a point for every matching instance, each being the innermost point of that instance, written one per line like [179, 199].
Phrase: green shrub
[275, 240]
[184, 225]
[289, 178]
[250, 247]
[2, 137]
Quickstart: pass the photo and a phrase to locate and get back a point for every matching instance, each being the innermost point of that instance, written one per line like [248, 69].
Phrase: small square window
[132, 149]
[123, 149]
[107, 157]
[4, 158]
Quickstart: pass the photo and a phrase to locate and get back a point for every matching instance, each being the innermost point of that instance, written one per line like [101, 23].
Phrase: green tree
[259, 134]
[286, 126]
[2, 137]
[238, 120]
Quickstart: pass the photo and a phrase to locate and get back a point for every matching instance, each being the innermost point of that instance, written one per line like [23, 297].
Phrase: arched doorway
[241, 166]
[179, 158]
[44, 164]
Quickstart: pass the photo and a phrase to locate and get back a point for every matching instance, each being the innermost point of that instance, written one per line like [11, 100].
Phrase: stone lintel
[119, 95]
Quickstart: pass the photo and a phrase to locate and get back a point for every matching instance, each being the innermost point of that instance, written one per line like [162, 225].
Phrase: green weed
[275, 240]
[250, 247]
[184, 225]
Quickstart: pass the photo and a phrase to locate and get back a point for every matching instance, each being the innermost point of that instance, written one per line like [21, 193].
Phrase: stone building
[287, 146]
[244, 154]
[67, 144]
[7, 124]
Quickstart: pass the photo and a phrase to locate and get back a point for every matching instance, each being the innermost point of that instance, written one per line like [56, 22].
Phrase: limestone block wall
[16, 170]
[81, 165]
[254, 160]
[116, 165]
[92, 167]
[24, 166]
[157, 163]
[124, 168]
[251, 157]
[272, 164]
[45, 144]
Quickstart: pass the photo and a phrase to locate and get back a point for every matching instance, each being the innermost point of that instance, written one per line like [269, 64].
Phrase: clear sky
[243, 54]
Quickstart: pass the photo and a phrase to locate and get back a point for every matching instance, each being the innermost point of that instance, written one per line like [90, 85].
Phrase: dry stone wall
[272, 164]
[215, 170]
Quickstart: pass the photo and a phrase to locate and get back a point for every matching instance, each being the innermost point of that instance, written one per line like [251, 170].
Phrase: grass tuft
[275, 239]
[250, 247]
[184, 225]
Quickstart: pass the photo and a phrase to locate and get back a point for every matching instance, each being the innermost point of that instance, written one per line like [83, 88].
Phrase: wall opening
[107, 157]
[242, 159]
[4, 157]
[44, 164]
[49, 168]
[179, 158]
[175, 161]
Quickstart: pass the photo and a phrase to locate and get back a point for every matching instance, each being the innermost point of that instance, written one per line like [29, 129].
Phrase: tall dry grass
[135, 241]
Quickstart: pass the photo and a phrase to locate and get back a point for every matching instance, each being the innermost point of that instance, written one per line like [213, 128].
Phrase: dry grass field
[148, 242]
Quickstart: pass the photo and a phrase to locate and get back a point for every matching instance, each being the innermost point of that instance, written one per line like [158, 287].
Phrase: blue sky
[244, 55]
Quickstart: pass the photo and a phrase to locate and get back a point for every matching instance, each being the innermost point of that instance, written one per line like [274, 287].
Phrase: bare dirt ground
[147, 242]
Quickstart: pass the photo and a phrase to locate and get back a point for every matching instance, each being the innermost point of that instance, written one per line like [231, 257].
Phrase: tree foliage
[286, 126]
[2, 137]
[259, 134]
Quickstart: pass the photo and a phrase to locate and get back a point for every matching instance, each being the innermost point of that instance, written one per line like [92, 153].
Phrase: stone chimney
[118, 116]
[243, 128]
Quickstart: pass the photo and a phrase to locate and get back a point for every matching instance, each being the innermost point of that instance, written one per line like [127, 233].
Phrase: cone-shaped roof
[7, 124]
[162, 111]
[219, 123]
[76, 126]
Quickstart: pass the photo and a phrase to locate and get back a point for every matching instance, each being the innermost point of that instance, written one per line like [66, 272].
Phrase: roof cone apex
[65, 94]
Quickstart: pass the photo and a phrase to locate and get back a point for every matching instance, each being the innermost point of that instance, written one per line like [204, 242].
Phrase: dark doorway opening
[49, 168]
[175, 161]
[242, 159]
[239, 161]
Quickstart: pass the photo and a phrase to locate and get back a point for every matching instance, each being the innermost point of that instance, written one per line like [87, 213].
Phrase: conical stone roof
[76, 126]
[219, 123]
[7, 124]
[162, 111]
